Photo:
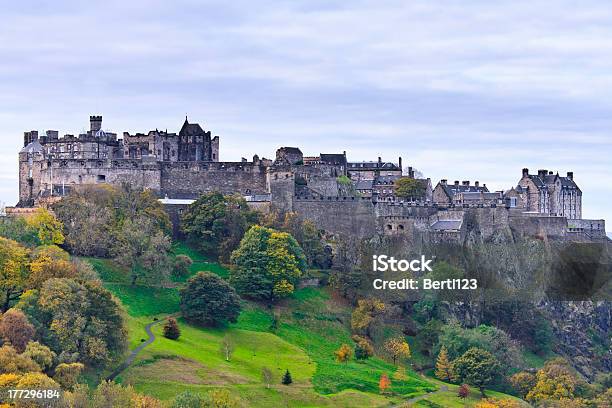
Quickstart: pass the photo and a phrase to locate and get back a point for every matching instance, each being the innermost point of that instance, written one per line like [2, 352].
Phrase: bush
[171, 329]
[182, 263]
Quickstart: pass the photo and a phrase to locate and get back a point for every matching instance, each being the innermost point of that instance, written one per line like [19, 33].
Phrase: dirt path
[130, 358]
[443, 388]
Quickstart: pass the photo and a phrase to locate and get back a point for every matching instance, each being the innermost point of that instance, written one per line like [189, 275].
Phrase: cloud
[465, 90]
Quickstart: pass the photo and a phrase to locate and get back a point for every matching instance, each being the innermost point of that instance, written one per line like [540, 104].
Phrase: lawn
[200, 261]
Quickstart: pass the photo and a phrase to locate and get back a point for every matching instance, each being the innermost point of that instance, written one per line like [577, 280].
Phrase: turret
[95, 123]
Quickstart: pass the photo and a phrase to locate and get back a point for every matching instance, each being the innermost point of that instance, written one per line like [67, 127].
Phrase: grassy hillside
[310, 327]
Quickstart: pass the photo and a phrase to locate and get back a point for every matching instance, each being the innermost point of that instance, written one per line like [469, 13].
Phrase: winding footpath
[130, 358]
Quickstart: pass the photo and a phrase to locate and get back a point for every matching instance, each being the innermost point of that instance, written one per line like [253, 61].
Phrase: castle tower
[95, 123]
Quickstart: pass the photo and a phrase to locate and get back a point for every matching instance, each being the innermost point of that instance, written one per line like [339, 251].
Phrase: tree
[428, 335]
[384, 383]
[464, 391]
[499, 403]
[266, 376]
[308, 236]
[143, 249]
[216, 223]
[78, 321]
[287, 378]
[476, 367]
[555, 381]
[109, 394]
[227, 347]
[188, 399]
[444, 369]
[48, 262]
[41, 354]
[363, 347]
[209, 300]
[365, 314]
[15, 329]
[67, 374]
[48, 228]
[12, 362]
[344, 353]
[400, 374]
[523, 382]
[13, 271]
[267, 264]
[397, 348]
[412, 189]
[220, 399]
[182, 263]
[171, 329]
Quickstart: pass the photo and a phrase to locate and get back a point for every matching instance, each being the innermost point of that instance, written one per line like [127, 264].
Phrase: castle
[339, 195]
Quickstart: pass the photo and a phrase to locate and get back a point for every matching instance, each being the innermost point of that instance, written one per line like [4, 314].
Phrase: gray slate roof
[445, 225]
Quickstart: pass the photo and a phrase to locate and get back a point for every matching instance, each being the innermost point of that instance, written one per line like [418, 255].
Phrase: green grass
[144, 300]
[200, 261]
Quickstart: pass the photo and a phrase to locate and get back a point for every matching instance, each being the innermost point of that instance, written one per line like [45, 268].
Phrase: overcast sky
[461, 91]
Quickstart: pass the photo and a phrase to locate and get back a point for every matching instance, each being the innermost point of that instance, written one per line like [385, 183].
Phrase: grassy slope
[312, 327]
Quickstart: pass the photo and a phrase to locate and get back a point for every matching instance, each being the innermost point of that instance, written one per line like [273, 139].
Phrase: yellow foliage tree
[344, 353]
[364, 314]
[444, 368]
[13, 271]
[397, 348]
[554, 381]
[498, 403]
[48, 228]
[400, 373]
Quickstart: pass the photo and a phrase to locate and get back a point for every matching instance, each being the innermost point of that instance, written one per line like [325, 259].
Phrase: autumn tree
[227, 347]
[400, 373]
[499, 403]
[476, 367]
[397, 348]
[209, 300]
[171, 329]
[444, 369]
[12, 362]
[555, 381]
[78, 320]
[266, 376]
[384, 383]
[287, 380]
[409, 188]
[48, 262]
[366, 314]
[215, 223]
[363, 347]
[15, 329]
[344, 353]
[13, 272]
[523, 382]
[267, 264]
[464, 391]
[40, 354]
[49, 229]
[67, 374]
[308, 236]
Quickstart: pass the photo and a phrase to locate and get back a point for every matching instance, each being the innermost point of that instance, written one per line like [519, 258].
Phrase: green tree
[216, 223]
[363, 347]
[428, 335]
[182, 263]
[409, 188]
[171, 329]
[41, 354]
[267, 264]
[287, 380]
[143, 248]
[13, 271]
[476, 367]
[209, 300]
[12, 362]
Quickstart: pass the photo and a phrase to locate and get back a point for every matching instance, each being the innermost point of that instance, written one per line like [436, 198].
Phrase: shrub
[287, 378]
[209, 300]
[171, 329]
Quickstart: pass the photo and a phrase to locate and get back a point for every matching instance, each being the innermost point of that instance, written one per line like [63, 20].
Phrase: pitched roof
[444, 225]
[452, 189]
[364, 184]
[292, 150]
[189, 129]
[333, 158]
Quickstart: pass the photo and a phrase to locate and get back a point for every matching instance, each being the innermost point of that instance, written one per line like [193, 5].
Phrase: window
[512, 202]
[101, 178]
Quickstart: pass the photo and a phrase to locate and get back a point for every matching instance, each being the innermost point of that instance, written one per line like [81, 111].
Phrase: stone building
[549, 193]
[447, 194]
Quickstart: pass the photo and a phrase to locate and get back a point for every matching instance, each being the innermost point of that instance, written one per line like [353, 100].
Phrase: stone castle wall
[352, 216]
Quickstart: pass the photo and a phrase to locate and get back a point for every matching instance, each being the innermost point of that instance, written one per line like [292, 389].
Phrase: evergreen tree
[171, 329]
[287, 378]
[444, 369]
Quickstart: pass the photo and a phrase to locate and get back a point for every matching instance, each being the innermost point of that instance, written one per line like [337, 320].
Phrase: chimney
[379, 160]
[95, 123]
[542, 173]
[457, 183]
[476, 183]
[443, 182]
[466, 183]
[400, 163]
[570, 175]
[525, 172]
[410, 172]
